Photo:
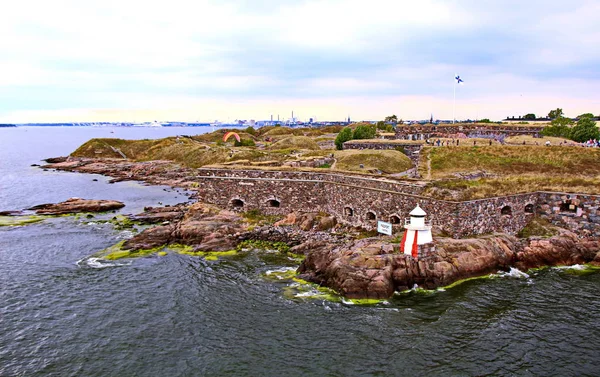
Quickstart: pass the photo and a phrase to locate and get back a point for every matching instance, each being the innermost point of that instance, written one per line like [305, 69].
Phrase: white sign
[385, 228]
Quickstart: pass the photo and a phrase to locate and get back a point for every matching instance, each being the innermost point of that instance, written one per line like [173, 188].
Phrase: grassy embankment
[515, 169]
[274, 145]
[386, 161]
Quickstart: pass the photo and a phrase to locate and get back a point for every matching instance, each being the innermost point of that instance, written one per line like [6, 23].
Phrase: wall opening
[529, 208]
[371, 216]
[395, 219]
[237, 203]
[348, 211]
[506, 211]
[274, 203]
[568, 206]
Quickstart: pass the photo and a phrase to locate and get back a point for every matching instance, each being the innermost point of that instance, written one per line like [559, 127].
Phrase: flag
[458, 79]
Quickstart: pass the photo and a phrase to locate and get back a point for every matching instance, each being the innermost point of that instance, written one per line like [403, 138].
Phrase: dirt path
[428, 176]
[333, 165]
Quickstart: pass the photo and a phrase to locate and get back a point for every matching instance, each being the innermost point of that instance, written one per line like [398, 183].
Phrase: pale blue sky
[70, 60]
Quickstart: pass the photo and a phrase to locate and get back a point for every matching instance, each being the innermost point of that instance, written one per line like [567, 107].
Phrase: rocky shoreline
[335, 255]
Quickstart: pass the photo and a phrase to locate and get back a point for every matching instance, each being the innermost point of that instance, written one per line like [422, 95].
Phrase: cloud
[127, 56]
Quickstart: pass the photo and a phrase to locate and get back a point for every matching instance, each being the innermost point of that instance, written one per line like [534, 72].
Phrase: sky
[207, 60]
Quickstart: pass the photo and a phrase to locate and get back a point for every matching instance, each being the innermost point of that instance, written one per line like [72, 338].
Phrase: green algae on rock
[20, 220]
[117, 252]
[208, 255]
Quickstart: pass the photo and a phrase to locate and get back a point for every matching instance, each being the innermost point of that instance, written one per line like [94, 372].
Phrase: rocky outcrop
[566, 249]
[77, 205]
[370, 268]
[309, 221]
[205, 227]
[156, 215]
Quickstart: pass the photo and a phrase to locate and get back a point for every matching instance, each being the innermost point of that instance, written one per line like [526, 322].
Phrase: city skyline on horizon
[139, 61]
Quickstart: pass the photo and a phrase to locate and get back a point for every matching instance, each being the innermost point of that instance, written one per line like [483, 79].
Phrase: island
[491, 203]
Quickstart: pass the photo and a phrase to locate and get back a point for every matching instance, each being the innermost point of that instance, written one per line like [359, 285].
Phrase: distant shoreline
[7, 125]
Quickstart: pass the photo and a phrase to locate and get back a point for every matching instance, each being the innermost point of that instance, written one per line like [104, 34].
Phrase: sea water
[180, 315]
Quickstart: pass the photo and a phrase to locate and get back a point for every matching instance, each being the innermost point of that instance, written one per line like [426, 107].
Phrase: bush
[344, 136]
[557, 131]
[251, 131]
[244, 143]
[585, 130]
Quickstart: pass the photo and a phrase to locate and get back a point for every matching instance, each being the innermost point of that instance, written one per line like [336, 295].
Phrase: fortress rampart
[361, 201]
[428, 131]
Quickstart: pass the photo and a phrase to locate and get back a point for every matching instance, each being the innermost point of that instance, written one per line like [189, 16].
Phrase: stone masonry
[361, 201]
[427, 131]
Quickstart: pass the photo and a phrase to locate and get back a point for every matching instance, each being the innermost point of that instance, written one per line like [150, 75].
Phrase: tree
[585, 130]
[559, 127]
[364, 132]
[586, 115]
[557, 131]
[381, 125]
[553, 114]
[391, 119]
[529, 116]
[561, 121]
[342, 137]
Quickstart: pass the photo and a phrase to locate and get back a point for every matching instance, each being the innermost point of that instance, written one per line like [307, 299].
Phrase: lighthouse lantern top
[417, 212]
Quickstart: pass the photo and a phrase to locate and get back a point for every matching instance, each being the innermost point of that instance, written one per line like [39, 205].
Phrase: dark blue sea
[180, 315]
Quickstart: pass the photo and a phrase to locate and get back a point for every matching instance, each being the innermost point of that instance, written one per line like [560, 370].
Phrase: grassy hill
[509, 170]
[386, 161]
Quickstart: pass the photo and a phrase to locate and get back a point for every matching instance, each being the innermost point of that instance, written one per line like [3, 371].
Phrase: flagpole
[454, 106]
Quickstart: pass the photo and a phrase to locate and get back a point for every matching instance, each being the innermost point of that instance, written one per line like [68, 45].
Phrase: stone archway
[348, 211]
[237, 203]
[395, 219]
[371, 216]
[274, 203]
[529, 208]
[506, 211]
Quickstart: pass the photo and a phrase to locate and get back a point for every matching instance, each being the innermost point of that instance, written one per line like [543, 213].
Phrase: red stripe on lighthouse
[403, 242]
[415, 247]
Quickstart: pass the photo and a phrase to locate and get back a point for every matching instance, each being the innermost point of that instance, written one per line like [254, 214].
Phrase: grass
[491, 187]
[530, 140]
[515, 169]
[515, 160]
[538, 227]
[296, 142]
[387, 161]
[256, 217]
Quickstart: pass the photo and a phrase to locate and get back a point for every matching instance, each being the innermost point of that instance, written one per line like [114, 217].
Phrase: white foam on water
[100, 263]
[281, 270]
[513, 273]
[125, 235]
[307, 294]
[579, 267]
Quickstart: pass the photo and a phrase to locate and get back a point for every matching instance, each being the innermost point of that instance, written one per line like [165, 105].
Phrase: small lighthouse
[417, 240]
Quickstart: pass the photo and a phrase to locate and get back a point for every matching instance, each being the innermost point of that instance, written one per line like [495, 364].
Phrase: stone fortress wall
[428, 131]
[361, 201]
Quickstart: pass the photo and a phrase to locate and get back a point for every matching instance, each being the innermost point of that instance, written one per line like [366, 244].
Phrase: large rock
[370, 268]
[77, 205]
[205, 227]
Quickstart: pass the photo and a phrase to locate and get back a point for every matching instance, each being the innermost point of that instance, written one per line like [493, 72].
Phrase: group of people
[593, 143]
